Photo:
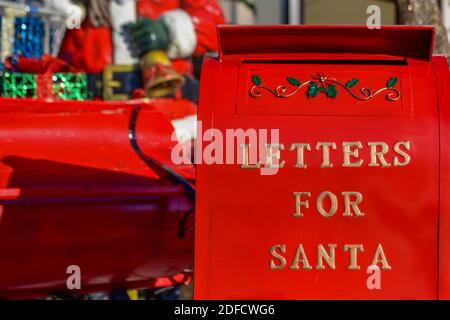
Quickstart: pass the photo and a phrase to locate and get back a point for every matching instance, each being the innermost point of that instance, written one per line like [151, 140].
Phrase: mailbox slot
[396, 61]
[283, 41]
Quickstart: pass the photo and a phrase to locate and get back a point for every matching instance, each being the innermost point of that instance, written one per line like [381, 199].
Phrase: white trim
[183, 39]
[122, 13]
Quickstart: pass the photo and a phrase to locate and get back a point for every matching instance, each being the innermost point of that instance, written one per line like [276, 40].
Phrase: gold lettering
[376, 156]
[404, 154]
[300, 256]
[274, 253]
[245, 158]
[326, 153]
[354, 248]
[323, 255]
[352, 205]
[271, 155]
[349, 154]
[333, 207]
[299, 203]
[379, 257]
[300, 147]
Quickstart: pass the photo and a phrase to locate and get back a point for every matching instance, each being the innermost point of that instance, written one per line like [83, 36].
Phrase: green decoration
[70, 86]
[328, 86]
[331, 91]
[148, 35]
[314, 89]
[392, 82]
[352, 83]
[256, 80]
[19, 85]
[293, 81]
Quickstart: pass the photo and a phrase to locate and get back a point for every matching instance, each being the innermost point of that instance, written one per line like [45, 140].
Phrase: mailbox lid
[284, 40]
[242, 214]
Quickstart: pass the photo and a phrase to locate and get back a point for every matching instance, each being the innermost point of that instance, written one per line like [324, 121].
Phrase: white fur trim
[59, 5]
[122, 12]
[75, 13]
[181, 32]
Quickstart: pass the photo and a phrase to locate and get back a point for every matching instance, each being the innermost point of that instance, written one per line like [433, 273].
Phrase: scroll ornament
[325, 85]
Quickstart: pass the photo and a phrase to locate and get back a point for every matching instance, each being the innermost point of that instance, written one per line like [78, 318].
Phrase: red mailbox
[333, 179]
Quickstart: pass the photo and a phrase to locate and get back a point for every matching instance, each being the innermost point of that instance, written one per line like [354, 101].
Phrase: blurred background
[306, 11]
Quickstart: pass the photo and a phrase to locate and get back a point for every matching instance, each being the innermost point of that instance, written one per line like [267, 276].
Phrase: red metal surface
[241, 214]
[74, 192]
[443, 83]
[401, 41]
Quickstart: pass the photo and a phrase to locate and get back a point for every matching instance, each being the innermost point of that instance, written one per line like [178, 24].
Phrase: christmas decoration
[149, 35]
[192, 33]
[181, 33]
[122, 13]
[19, 85]
[31, 30]
[44, 78]
[29, 37]
[63, 86]
[151, 38]
[70, 86]
[325, 85]
[158, 76]
[9, 15]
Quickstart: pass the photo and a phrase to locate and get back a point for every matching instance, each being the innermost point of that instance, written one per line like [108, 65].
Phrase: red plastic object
[247, 236]
[74, 191]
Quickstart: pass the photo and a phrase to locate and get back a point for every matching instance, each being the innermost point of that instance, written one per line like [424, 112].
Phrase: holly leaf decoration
[256, 80]
[293, 81]
[313, 90]
[392, 82]
[352, 83]
[331, 91]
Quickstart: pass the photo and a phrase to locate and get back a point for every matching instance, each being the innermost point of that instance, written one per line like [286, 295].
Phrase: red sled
[90, 184]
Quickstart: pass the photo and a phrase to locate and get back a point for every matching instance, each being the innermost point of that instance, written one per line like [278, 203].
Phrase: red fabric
[43, 68]
[206, 15]
[90, 49]
[44, 86]
[46, 64]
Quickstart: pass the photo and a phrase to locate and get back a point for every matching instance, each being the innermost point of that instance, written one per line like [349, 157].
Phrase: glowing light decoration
[19, 85]
[29, 36]
[70, 86]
